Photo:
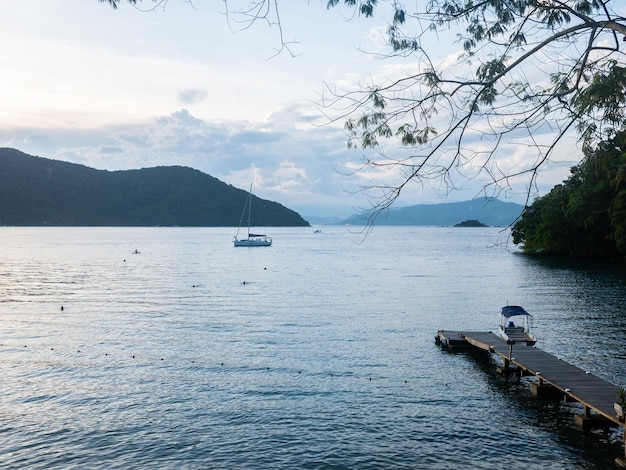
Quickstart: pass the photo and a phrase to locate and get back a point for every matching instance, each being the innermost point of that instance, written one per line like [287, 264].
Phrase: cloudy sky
[186, 85]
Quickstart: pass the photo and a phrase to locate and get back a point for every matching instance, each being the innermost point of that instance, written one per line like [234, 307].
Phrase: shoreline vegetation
[585, 217]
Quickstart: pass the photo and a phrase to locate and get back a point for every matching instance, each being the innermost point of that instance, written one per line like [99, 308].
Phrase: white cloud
[125, 89]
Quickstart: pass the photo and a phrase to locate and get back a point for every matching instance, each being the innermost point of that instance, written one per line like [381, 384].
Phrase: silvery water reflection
[317, 352]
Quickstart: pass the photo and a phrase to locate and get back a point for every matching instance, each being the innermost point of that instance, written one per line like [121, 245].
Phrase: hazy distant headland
[492, 212]
[37, 191]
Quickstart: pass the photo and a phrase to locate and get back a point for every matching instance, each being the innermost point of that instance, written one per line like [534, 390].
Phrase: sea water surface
[317, 352]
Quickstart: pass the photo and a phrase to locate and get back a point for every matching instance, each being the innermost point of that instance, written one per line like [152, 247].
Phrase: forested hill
[38, 191]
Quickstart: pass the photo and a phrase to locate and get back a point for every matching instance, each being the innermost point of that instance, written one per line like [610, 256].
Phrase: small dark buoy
[62, 308]
[106, 354]
[222, 364]
[133, 356]
[370, 379]
[161, 358]
[51, 349]
[299, 372]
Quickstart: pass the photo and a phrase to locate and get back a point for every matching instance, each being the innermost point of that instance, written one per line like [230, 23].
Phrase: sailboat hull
[260, 241]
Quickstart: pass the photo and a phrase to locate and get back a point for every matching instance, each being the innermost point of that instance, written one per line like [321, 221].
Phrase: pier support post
[510, 342]
[621, 461]
[587, 420]
[506, 361]
[543, 390]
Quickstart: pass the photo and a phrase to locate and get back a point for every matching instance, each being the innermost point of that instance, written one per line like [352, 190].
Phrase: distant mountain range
[37, 191]
[492, 212]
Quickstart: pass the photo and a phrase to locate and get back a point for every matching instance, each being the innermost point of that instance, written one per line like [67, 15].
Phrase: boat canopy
[513, 310]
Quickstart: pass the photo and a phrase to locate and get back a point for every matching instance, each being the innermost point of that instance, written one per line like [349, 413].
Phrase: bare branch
[499, 103]
[542, 68]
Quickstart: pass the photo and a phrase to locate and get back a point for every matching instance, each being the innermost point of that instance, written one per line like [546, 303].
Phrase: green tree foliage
[586, 215]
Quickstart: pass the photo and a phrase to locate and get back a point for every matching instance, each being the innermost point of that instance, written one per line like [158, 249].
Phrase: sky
[130, 88]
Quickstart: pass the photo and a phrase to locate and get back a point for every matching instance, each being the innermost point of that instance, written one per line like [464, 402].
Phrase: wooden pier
[555, 377]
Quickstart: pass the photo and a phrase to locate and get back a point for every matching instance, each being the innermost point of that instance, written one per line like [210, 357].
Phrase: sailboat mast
[253, 239]
[249, 208]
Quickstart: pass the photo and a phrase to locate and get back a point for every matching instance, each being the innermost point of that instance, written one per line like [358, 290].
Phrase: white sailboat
[254, 239]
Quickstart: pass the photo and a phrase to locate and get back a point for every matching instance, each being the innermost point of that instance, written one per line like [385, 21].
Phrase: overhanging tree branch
[539, 70]
[511, 96]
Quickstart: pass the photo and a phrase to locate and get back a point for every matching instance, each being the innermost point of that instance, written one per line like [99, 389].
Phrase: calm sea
[317, 352]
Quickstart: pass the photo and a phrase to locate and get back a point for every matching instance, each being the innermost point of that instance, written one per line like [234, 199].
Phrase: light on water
[317, 352]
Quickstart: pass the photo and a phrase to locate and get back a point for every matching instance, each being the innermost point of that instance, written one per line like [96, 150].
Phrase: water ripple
[323, 359]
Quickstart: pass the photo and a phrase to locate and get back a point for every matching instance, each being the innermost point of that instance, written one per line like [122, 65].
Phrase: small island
[471, 223]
